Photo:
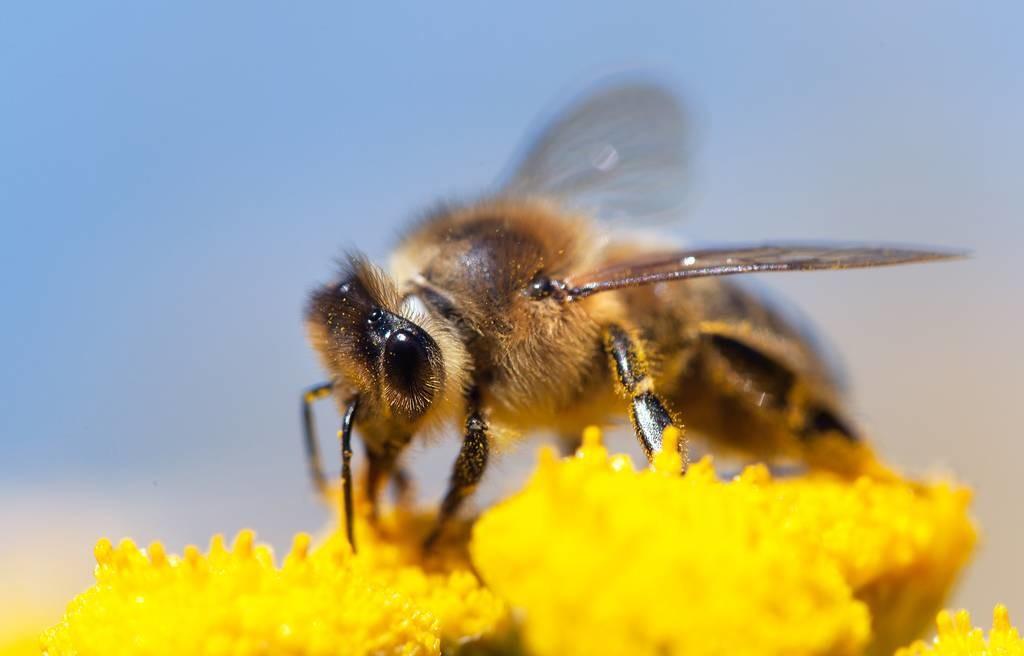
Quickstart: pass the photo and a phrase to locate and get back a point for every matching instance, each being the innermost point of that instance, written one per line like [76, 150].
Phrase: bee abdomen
[819, 422]
[740, 393]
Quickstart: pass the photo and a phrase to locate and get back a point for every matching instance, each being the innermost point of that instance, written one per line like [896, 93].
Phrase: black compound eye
[406, 360]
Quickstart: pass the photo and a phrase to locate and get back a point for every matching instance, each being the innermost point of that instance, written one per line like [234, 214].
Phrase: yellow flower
[591, 557]
[237, 602]
[601, 558]
[957, 638]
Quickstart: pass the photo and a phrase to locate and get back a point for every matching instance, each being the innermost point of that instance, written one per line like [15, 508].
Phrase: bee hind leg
[647, 411]
[466, 474]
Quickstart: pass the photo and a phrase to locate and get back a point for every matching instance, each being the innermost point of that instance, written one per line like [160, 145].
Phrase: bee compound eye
[406, 360]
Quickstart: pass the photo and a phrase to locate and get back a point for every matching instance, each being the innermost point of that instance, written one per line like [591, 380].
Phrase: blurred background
[176, 176]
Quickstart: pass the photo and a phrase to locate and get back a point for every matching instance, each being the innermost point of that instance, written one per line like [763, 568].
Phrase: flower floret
[602, 558]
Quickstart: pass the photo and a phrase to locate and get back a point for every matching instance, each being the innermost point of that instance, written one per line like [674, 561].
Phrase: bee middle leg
[647, 411]
[466, 474]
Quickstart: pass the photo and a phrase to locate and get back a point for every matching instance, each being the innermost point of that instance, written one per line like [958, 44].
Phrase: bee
[522, 310]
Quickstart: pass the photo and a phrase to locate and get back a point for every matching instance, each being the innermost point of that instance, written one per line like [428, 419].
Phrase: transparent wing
[677, 265]
[618, 154]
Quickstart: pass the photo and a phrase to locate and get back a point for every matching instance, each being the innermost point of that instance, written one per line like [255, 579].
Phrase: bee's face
[372, 347]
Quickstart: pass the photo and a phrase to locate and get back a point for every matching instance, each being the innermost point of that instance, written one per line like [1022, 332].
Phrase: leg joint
[629, 360]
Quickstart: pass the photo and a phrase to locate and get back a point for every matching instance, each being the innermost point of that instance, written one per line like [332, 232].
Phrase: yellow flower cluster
[957, 638]
[237, 602]
[602, 558]
[592, 557]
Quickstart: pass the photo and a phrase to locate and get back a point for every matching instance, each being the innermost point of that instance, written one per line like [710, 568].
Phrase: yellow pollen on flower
[956, 637]
[592, 556]
[668, 460]
[591, 437]
[321, 600]
[598, 557]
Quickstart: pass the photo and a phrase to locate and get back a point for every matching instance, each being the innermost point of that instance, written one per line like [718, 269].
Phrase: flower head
[602, 558]
[592, 557]
[319, 601]
[957, 638]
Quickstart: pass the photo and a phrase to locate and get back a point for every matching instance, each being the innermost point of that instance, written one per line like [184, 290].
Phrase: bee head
[375, 347]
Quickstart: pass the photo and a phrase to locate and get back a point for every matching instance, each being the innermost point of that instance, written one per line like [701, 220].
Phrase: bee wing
[617, 154]
[677, 265]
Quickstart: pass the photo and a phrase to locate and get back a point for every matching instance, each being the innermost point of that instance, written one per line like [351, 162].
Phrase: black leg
[316, 470]
[345, 434]
[466, 474]
[647, 411]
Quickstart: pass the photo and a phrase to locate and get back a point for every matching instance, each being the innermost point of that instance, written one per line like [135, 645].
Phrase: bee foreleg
[466, 474]
[313, 462]
[647, 411]
[345, 437]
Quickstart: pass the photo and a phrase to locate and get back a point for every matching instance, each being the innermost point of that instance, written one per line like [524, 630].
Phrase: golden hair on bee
[474, 261]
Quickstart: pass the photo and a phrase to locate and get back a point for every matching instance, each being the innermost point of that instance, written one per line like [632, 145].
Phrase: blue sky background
[175, 176]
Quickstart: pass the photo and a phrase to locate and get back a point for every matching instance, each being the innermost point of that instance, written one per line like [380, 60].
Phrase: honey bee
[520, 311]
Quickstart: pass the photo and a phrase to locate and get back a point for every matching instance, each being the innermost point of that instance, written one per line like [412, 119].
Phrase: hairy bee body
[520, 312]
[731, 367]
[534, 362]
